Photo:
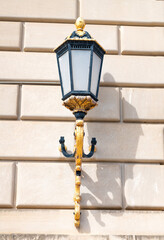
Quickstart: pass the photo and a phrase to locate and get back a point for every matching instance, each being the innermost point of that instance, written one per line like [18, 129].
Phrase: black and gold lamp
[79, 60]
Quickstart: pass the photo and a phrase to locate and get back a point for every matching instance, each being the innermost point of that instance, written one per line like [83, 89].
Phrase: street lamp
[79, 60]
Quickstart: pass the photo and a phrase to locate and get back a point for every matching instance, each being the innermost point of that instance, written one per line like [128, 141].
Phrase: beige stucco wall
[123, 184]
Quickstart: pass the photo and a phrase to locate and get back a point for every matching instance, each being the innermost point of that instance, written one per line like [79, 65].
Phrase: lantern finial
[80, 24]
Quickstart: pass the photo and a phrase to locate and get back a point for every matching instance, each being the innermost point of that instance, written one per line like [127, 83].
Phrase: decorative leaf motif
[79, 103]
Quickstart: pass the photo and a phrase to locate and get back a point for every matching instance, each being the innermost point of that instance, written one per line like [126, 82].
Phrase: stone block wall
[123, 183]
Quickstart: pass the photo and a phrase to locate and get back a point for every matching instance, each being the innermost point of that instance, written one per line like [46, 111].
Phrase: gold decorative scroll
[79, 135]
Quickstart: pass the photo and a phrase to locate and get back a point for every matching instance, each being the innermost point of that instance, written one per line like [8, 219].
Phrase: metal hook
[63, 148]
[93, 144]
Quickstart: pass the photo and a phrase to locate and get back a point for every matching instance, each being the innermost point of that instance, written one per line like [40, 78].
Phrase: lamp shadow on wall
[105, 191]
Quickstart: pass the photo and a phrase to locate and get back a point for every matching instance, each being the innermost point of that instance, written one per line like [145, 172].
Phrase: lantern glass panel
[80, 69]
[95, 73]
[65, 72]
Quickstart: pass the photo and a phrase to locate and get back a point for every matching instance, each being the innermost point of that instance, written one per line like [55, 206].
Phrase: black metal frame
[74, 44]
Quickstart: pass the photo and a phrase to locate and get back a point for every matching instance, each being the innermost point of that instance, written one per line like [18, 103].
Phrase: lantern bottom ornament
[79, 105]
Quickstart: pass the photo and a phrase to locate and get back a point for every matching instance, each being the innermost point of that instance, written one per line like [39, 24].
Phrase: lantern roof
[79, 35]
